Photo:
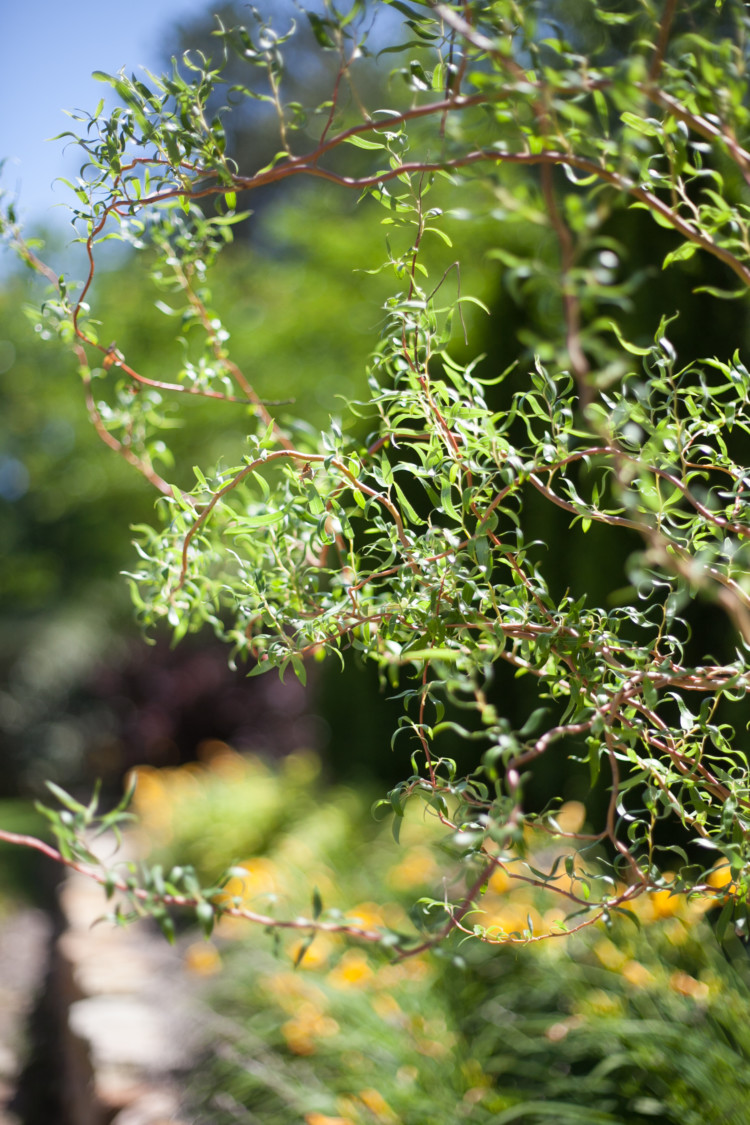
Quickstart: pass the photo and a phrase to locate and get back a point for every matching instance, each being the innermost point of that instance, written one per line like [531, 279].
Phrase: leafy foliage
[411, 548]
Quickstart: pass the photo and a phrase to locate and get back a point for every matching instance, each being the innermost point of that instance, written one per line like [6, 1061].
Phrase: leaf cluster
[410, 549]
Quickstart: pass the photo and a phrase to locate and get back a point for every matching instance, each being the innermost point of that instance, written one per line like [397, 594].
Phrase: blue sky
[48, 50]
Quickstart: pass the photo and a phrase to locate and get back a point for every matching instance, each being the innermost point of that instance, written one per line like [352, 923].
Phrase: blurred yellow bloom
[686, 985]
[558, 1031]
[414, 969]
[721, 876]
[365, 914]
[308, 1025]
[386, 1007]
[609, 955]
[417, 868]
[260, 879]
[149, 786]
[571, 816]
[433, 1048]
[152, 804]
[324, 1119]
[513, 916]
[601, 1003]
[316, 956]
[210, 750]
[554, 920]
[348, 1107]
[394, 916]
[721, 880]
[500, 882]
[677, 931]
[202, 958]
[637, 974]
[289, 989]
[474, 1095]
[231, 929]
[352, 971]
[431, 1037]
[231, 766]
[658, 905]
[665, 904]
[377, 1105]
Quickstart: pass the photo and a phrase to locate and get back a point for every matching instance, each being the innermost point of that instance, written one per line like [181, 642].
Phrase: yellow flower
[415, 969]
[377, 1105]
[315, 956]
[233, 767]
[609, 955]
[352, 971]
[721, 876]
[559, 1030]
[571, 816]
[291, 989]
[500, 882]
[386, 1007]
[721, 880]
[637, 974]
[512, 916]
[152, 803]
[259, 879]
[202, 958]
[686, 985]
[366, 914]
[600, 1002]
[324, 1119]
[431, 1037]
[348, 1107]
[665, 904]
[416, 869]
[308, 1025]
[677, 931]
[211, 750]
[660, 904]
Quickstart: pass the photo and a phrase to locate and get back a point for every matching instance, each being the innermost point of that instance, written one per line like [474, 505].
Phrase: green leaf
[320, 28]
[302, 951]
[681, 254]
[420, 654]
[534, 722]
[722, 294]
[165, 924]
[632, 348]
[253, 522]
[362, 142]
[406, 508]
[206, 917]
[648, 128]
[65, 798]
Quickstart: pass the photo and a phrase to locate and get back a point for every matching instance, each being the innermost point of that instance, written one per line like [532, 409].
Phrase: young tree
[413, 548]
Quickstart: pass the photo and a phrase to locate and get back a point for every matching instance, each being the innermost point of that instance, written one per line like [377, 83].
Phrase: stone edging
[121, 1022]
